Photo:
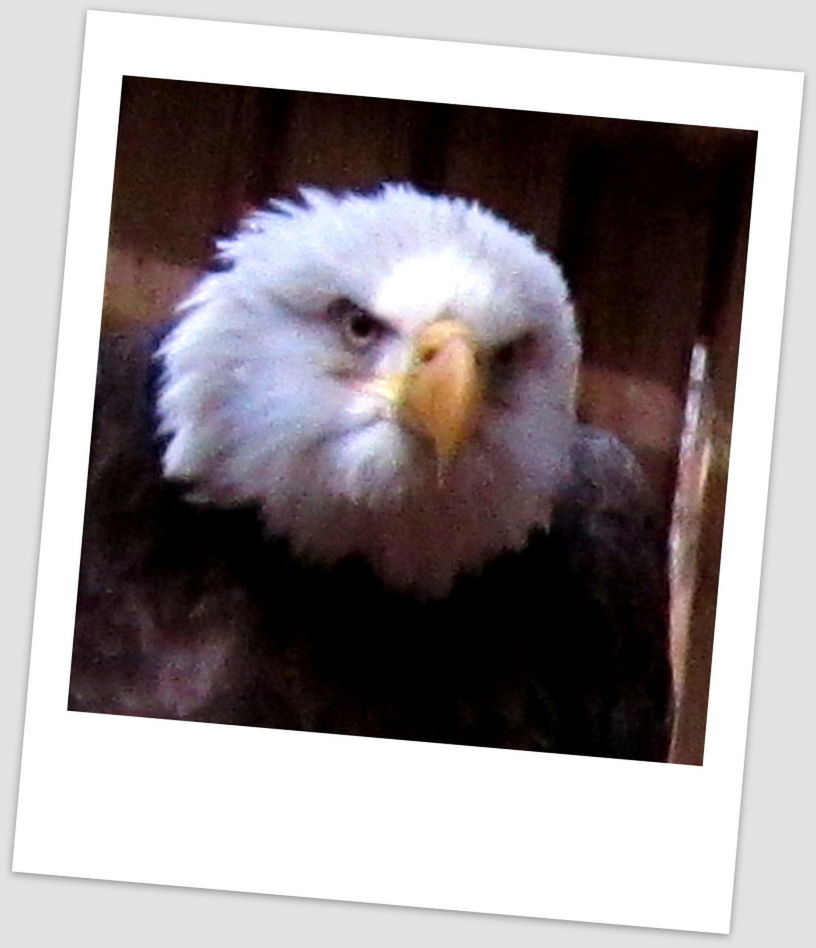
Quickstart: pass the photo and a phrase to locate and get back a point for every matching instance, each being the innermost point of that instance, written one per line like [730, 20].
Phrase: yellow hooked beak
[440, 395]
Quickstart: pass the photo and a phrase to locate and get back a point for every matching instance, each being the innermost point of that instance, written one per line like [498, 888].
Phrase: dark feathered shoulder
[124, 448]
[608, 538]
[163, 611]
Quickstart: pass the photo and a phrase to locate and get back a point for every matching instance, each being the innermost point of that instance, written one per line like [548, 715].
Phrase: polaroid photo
[407, 474]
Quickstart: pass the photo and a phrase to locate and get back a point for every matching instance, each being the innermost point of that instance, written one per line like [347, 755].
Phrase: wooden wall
[649, 221]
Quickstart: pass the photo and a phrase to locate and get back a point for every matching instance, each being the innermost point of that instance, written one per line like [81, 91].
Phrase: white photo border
[364, 819]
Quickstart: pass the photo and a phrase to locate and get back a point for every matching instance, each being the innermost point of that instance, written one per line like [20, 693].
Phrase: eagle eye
[359, 328]
[511, 354]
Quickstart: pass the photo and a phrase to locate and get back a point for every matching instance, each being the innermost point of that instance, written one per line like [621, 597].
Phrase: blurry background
[649, 220]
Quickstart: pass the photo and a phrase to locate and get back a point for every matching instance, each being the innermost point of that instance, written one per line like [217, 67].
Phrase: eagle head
[389, 376]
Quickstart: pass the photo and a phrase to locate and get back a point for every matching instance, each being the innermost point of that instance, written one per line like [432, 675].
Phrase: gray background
[41, 52]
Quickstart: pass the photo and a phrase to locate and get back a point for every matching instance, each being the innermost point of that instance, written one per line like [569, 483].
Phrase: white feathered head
[388, 375]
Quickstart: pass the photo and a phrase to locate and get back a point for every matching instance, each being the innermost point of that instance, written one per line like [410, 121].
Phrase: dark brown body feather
[187, 611]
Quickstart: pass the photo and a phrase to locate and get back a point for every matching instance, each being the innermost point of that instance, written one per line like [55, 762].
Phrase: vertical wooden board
[183, 152]
[636, 241]
[722, 334]
[514, 162]
[141, 289]
[343, 142]
[268, 121]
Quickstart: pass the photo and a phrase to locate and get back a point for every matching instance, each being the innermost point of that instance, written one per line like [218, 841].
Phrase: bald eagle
[344, 490]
